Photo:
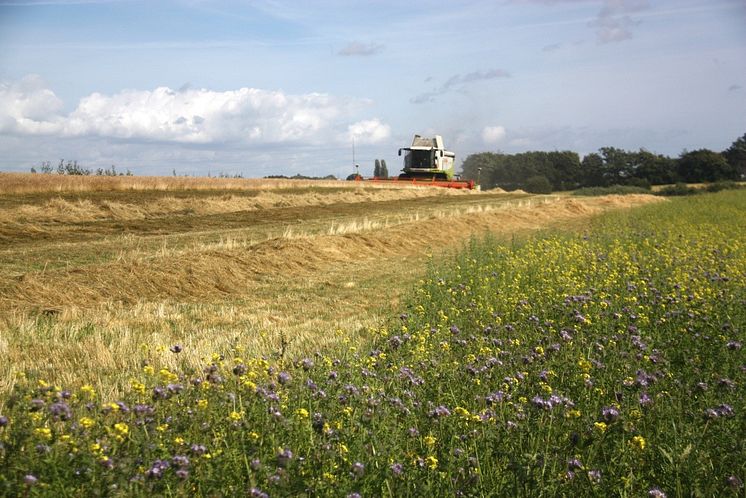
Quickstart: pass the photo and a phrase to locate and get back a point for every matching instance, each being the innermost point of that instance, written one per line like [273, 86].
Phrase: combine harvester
[427, 163]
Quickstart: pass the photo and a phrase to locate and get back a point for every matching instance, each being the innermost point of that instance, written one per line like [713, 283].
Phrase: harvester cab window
[418, 159]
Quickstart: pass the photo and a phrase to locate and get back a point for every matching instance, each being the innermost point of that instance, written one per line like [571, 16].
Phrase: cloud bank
[246, 116]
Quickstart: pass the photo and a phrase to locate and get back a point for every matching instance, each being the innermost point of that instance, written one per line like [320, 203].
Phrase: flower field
[602, 363]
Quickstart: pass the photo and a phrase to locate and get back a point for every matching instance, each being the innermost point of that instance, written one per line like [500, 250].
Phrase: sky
[280, 87]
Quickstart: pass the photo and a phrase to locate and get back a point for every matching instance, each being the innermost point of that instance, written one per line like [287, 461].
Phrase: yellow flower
[347, 410]
[137, 386]
[43, 432]
[86, 422]
[88, 391]
[202, 403]
[430, 440]
[94, 447]
[235, 416]
[122, 428]
[600, 427]
[431, 462]
[302, 413]
[178, 440]
[461, 412]
[572, 414]
[638, 442]
[148, 370]
[254, 435]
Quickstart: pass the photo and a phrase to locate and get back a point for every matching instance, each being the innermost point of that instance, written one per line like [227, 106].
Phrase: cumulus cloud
[189, 116]
[493, 134]
[459, 81]
[360, 49]
[27, 107]
[368, 132]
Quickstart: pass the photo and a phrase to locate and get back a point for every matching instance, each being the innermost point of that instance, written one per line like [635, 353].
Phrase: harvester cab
[428, 158]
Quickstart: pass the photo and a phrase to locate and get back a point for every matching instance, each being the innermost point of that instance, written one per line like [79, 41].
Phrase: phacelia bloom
[734, 482]
[645, 400]
[3, 421]
[182, 474]
[198, 449]
[306, 363]
[60, 411]
[574, 464]
[176, 348]
[354, 495]
[284, 457]
[30, 479]
[594, 476]
[656, 493]
[455, 330]
[283, 378]
[397, 469]
[157, 469]
[609, 414]
[180, 461]
[733, 345]
[257, 493]
[358, 469]
[439, 411]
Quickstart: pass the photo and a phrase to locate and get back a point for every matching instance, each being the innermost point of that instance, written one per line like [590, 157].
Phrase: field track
[104, 271]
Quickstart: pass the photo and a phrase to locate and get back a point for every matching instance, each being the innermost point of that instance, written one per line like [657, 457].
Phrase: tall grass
[605, 363]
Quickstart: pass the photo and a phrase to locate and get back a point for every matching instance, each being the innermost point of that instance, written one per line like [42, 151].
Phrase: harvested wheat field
[93, 269]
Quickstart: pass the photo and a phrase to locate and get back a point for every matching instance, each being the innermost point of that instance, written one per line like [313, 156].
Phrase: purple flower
[574, 464]
[283, 378]
[733, 345]
[3, 420]
[198, 449]
[257, 493]
[157, 469]
[307, 363]
[594, 476]
[60, 411]
[413, 432]
[397, 469]
[354, 495]
[645, 400]
[284, 457]
[439, 411]
[358, 469]
[30, 479]
[656, 493]
[176, 348]
[609, 414]
[180, 461]
[182, 474]
[255, 464]
[734, 482]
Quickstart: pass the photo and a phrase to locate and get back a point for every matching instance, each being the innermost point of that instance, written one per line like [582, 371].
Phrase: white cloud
[493, 134]
[246, 116]
[368, 132]
[26, 107]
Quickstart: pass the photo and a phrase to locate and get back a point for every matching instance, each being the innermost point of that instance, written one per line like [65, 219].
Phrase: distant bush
[724, 185]
[538, 184]
[72, 168]
[678, 189]
[613, 190]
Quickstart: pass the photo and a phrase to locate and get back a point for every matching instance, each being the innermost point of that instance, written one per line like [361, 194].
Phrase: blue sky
[280, 87]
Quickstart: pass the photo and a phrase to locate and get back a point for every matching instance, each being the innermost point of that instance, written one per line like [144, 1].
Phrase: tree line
[543, 172]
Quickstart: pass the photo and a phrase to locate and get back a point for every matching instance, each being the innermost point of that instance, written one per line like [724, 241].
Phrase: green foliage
[704, 165]
[603, 364]
[377, 169]
[538, 184]
[736, 156]
[384, 169]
